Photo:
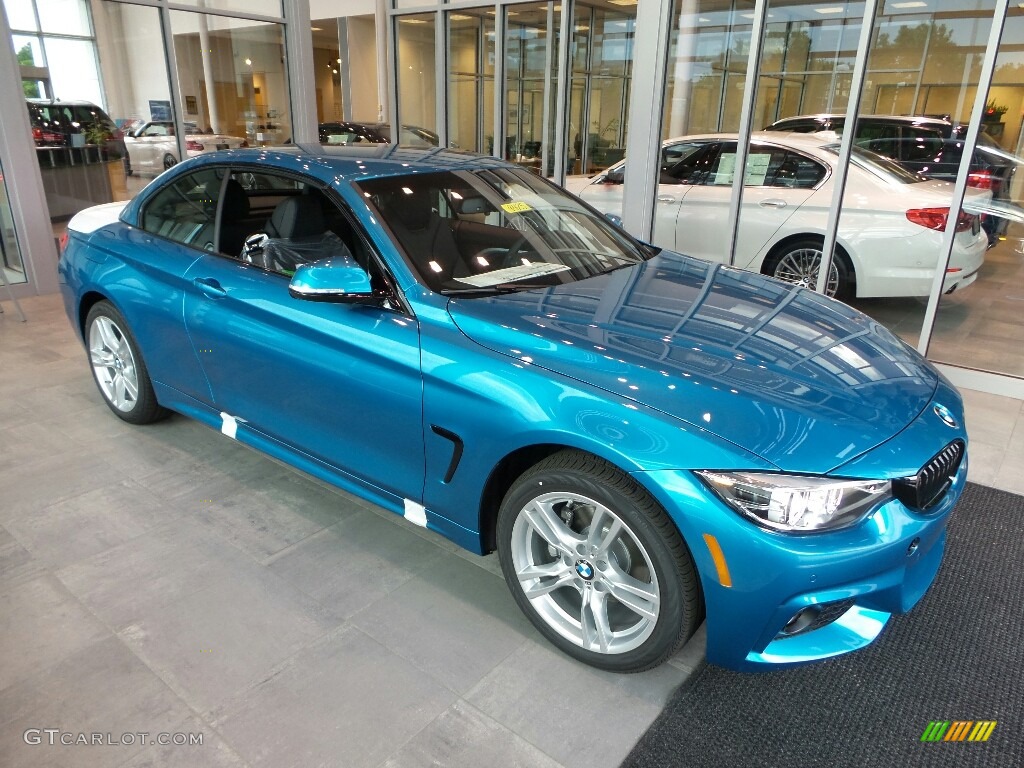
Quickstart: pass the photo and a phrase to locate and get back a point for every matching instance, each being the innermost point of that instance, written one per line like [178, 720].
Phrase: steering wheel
[513, 252]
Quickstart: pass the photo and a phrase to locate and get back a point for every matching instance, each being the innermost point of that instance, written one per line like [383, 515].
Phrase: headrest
[296, 218]
[236, 201]
[414, 211]
[474, 205]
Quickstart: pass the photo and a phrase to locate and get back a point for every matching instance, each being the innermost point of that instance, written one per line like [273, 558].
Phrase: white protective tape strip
[229, 425]
[415, 513]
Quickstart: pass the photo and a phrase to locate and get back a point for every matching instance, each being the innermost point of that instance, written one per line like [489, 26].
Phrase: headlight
[798, 504]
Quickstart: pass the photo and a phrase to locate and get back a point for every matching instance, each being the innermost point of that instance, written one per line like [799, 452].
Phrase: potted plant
[994, 112]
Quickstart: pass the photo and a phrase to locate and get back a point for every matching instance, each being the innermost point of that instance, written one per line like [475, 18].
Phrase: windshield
[880, 165]
[485, 231]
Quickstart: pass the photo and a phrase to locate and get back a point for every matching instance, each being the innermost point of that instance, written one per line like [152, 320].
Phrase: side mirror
[615, 219]
[614, 175]
[337, 279]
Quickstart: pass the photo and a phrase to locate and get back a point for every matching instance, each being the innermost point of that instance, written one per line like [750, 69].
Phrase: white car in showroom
[890, 228]
[152, 146]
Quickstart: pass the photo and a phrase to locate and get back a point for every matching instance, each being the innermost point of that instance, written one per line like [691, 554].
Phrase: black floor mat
[958, 656]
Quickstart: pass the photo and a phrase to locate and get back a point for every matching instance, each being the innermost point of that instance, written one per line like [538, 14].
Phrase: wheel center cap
[584, 569]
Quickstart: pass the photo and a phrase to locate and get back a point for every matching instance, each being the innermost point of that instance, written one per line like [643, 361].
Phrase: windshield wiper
[491, 290]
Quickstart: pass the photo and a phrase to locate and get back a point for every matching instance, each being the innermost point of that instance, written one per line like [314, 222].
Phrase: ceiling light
[919, 4]
[248, 62]
[412, 21]
[833, 9]
[459, 17]
[622, 2]
[317, 29]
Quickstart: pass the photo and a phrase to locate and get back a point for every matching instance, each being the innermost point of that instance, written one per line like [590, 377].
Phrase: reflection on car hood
[805, 382]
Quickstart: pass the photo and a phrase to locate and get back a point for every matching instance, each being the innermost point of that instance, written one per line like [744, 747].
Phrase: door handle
[772, 203]
[210, 287]
[666, 199]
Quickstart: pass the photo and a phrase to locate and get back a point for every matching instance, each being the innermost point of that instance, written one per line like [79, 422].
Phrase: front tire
[118, 368]
[170, 161]
[798, 262]
[596, 564]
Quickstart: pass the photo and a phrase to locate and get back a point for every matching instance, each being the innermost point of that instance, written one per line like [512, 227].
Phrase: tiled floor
[168, 580]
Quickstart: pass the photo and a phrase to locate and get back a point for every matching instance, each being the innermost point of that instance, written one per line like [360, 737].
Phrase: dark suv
[931, 146]
[57, 123]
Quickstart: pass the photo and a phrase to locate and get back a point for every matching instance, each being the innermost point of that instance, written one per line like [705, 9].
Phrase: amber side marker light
[720, 565]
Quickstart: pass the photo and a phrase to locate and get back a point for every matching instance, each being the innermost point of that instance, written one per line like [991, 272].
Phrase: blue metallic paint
[661, 368]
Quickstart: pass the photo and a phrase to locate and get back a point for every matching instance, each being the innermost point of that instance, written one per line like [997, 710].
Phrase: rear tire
[623, 596]
[170, 161]
[118, 368]
[798, 262]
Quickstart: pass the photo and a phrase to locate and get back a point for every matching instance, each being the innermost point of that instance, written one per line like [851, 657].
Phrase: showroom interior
[561, 87]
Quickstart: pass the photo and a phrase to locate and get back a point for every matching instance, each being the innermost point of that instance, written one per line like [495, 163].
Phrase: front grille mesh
[927, 488]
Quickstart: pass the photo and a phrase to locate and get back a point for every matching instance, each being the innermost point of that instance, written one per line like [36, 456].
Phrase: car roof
[354, 162]
[909, 119]
[803, 141]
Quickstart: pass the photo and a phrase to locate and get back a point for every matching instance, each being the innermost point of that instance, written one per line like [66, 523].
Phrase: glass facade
[936, 88]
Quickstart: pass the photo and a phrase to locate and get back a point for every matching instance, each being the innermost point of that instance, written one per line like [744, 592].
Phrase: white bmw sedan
[890, 230]
[152, 146]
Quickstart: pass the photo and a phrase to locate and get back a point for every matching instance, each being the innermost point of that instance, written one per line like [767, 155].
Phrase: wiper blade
[491, 290]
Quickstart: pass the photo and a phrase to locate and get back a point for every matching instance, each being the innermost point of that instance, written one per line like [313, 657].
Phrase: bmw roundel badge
[946, 416]
[585, 569]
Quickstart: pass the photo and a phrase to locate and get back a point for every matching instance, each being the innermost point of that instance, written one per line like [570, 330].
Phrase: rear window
[879, 165]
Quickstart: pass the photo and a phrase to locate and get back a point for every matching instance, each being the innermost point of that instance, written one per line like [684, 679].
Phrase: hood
[805, 382]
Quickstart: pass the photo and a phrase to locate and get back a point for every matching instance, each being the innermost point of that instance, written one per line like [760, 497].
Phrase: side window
[921, 144]
[278, 223]
[883, 139]
[762, 166]
[796, 172]
[184, 210]
[687, 163]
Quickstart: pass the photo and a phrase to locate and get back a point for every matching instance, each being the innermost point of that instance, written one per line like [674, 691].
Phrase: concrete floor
[165, 579]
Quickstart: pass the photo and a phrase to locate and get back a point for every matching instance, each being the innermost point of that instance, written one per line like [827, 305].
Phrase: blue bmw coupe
[646, 439]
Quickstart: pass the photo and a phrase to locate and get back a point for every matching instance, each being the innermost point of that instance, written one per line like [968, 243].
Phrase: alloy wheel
[113, 364]
[585, 572]
[801, 265]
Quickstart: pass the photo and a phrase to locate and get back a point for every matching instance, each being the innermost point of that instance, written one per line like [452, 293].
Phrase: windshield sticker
[512, 274]
[515, 207]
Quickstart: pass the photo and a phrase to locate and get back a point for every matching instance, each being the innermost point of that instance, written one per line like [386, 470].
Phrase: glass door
[471, 80]
[531, 84]
[602, 72]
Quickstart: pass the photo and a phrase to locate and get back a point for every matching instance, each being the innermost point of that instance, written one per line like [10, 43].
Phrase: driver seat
[425, 236]
[295, 234]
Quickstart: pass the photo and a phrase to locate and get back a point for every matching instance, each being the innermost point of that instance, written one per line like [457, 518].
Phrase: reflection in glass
[602, 71]
[983, 327]
[471, 81]
[924, 64]
[417, 95]
[232, 73]
[531, 53]
[345, 67]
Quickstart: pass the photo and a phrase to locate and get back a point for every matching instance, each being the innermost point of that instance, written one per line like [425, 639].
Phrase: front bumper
[856, 578]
